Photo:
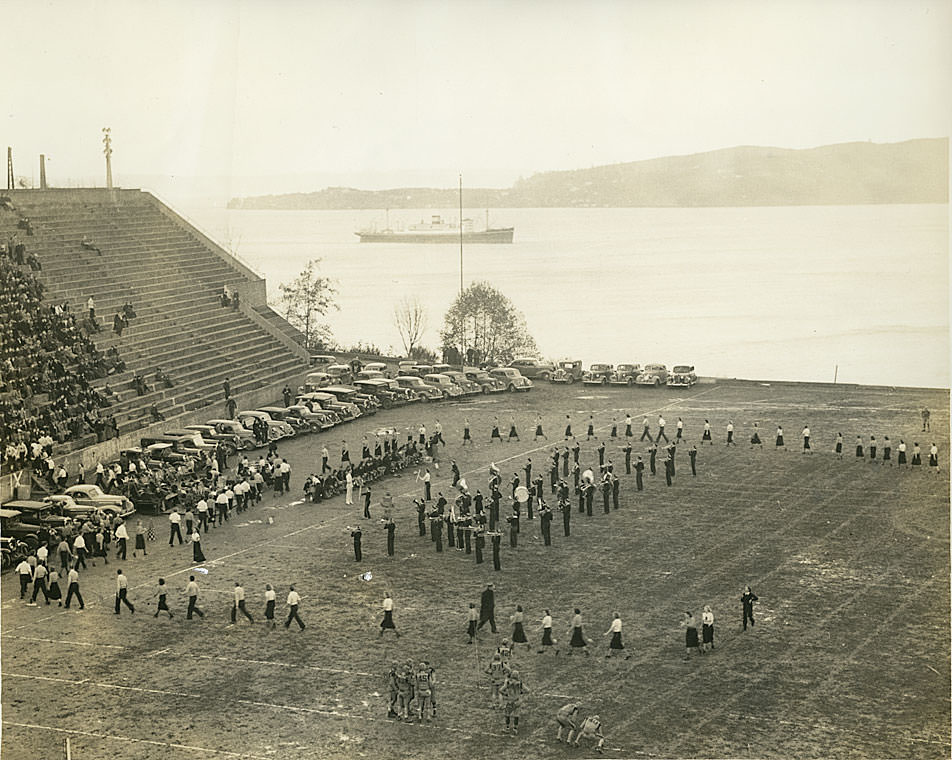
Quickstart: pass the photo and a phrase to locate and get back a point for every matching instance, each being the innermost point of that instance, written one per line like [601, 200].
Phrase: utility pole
[10, 184]
[107, 151]
[42, 171]
[462, 340]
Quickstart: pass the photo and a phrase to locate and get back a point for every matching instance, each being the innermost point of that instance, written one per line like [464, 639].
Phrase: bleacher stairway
[173, 275]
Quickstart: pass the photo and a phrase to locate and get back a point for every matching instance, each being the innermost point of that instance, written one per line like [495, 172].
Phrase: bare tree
[305, 300]
[409, 316]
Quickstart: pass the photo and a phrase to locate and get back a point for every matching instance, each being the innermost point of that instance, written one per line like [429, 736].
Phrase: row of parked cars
[570, 371]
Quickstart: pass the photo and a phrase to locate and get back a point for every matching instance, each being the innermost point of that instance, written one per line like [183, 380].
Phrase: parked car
[340, 373]
[13, 528]
[567, 371]
[467, 386]
[317, 420]
[330, 402]
[440, 369]
[380, 388]
[39, 515]
[404, 366]
[346, 394]
[231, 442]
[653, 374]
[421, 390]
[378, 367]
[91, 495]
[168, 453]
[190, 442]
[369, 374]
[315, 381]
[625, 374]
[444, 384]
[534, 369]
[234, 428]
[276, 429]
[280, 414]
[195, 439]
[597, 374]
[322, 360]
[512, 379]
[486, 382]
[63, 505]
[682, 376]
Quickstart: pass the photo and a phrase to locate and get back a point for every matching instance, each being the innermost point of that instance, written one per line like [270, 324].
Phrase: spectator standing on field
[747, 600]
[294, 601]
[122, 589]
[191, 591]
[239, 605]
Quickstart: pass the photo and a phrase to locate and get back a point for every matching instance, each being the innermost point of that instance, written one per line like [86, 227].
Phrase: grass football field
[849, 657]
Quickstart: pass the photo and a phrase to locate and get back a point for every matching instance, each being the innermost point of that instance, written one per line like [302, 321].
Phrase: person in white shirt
[122, 589]
[707, 629]
[661, 433]
[175, 527]
[191, 591]
[269, 599]
[42, 553]
[122, 539]
[79, 549]
[387, 622]
[202, 509]
[239, 594]
[25, 574]
[615, 645]
[73, 589]
[806, 440]
[294, 600]
[39, 583]
[730, 433]
[349, 480]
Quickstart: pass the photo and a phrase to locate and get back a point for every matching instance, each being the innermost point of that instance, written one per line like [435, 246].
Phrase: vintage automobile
[469, 387]
[378, 367]
[166, 453]
[380, 387]
[91, 495]
[280, 414]
[534, 369]
[64, 506]
[340, 373]
[421, 390]
[185, 441]
[440, 369]
[512, 379]
[486, 382]
[38, 516]
[317, 420]
[597, 374]
[444, 384]
[624, 374]
[346, 394]
[234, 428]
[369, 374]
[231, 442]
[420, 370]
[315, 381]
[403, 394]
[682, 376]
[329, 402]
[322, 360]
[566, 371]
[404, 366]
[276, 428]
[13, 528]
[652, 374]
[194, 439]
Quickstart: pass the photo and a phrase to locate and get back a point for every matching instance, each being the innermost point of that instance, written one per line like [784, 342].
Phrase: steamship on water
[438, 231]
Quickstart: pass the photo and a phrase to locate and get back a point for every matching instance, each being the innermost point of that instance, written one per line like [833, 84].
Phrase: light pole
[462, 340]
[107, 151]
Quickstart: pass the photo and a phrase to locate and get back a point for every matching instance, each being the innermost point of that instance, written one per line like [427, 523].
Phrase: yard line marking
[117, 737]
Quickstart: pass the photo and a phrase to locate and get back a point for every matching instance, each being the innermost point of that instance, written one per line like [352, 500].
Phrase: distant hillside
[915, 171]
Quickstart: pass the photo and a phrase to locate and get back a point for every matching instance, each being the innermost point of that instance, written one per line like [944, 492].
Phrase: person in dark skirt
[269, 600]
[197, 554]
[140, 539]
[568, 427]
[162, 593]
[859, 448]
[755, 438]
[778, 443]
[591, 429]
[887, 451]
[387, 623]
[690, 635]
[615, 645]
[494, 436]
[916, 454]
[838, 446]
[706, 435]
[547, 640]
[934, 457]
[902, 453]
[707, 629]
[512, 429]
[872, 448]
[54, 592]
[578, 640]
[466, 435]
[518, 631]
[614, 433]
[538, 431]
[747, 600]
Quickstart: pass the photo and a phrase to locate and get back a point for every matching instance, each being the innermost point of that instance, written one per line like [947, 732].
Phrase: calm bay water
[767, 293]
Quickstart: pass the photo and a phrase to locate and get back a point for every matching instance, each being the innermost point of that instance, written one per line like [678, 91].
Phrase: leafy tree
[409, 316]
[486, 326]
[305, 300]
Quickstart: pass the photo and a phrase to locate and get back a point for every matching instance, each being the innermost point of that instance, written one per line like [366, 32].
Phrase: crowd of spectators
[47, 364]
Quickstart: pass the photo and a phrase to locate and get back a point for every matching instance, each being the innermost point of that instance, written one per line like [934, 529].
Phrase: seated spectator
[235, 300]
[157, 416]
[162, 377]
[127, 311]
[138, 383]
[119, 323]
[34, 263]
[88, 245]
[225, 296]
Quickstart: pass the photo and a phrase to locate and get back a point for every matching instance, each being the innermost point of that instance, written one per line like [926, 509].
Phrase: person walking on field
[191, 591]
[387, 623]
[707, 629]
[690, 635]
[661, 433]
[162, 593]
[706, 435]
[269, 600]
[578, 640]
[806, 440]
[615, 645]
[646, 430]
[294, 601]
[487, 608]
[73, 589]
[239, 605]
[122, 589]
[747, 600]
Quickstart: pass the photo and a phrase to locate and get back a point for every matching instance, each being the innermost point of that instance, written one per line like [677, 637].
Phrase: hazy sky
[376, 94]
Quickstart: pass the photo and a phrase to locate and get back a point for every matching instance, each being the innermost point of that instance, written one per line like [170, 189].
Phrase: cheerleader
[387, 623]
[707, 628]
[805, 434]
[591, 429]
[568, 427]
[690, 635]
[197, 555]
[872, 448]
[518, 632]
[838, 446]
[859, 448]
[778, 444]
[614, 433]
[755, 438]
[140, 538]
[494, 436]
[916, 454]
[512, 429]
[466, 435]
[730, 433]
[538, 430]
[902, 453]
[578, 636]
[615, 645]
[546, 628]
[706, 435]
[680, 430]
[887, 451]
[934, 457]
